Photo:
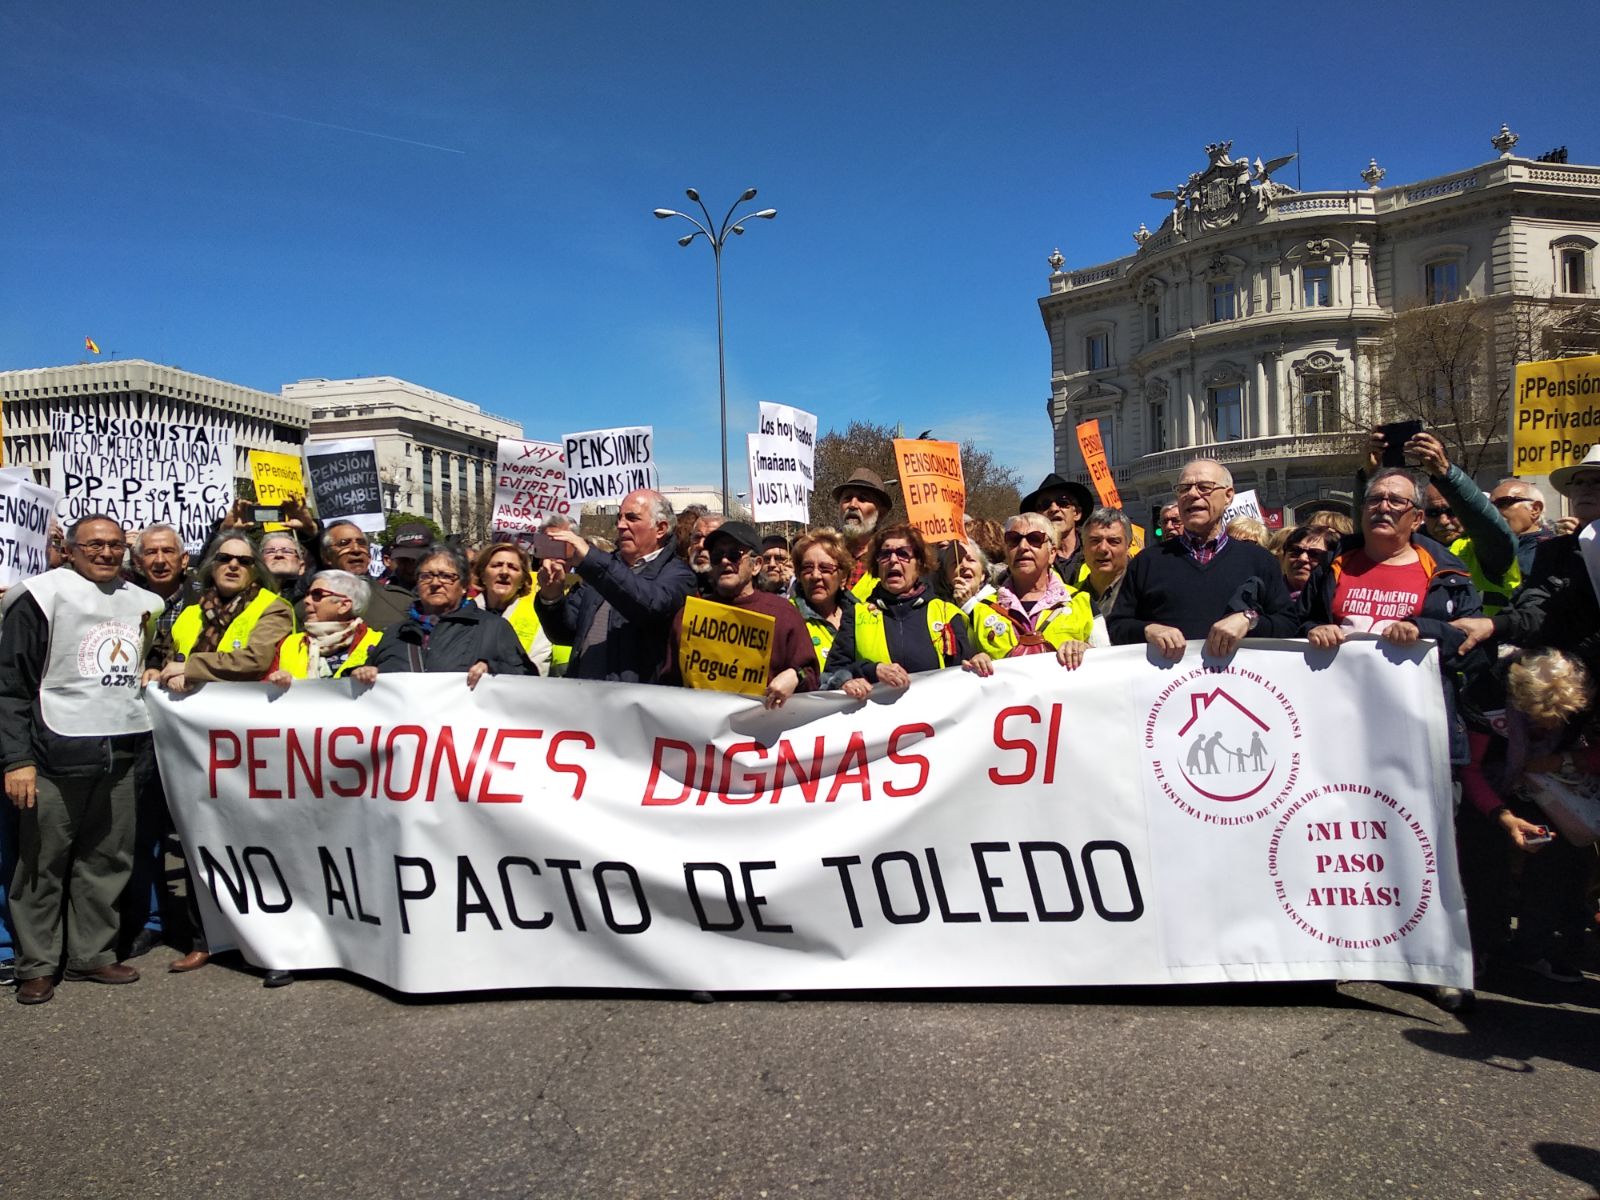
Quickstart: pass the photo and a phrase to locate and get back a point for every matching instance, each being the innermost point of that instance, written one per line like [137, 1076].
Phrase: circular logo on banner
[110, 648]
[1223, 745]
[1352, 866]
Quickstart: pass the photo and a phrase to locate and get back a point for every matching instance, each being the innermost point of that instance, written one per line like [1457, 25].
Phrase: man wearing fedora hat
[863, 502]
[1065, 504]
[1559, 605]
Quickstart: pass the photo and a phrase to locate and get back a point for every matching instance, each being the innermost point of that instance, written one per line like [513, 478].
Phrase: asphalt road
[207, 1084]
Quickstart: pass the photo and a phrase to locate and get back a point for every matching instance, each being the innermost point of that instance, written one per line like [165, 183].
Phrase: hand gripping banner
[1285, 817]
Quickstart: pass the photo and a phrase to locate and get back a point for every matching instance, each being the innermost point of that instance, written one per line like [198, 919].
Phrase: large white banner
[1285, 817]
[139, 472]
[782, 464]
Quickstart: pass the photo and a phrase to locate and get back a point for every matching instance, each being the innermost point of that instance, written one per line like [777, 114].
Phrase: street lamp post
[716, 241]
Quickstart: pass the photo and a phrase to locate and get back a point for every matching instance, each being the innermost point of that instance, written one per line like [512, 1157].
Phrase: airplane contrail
[388, 137]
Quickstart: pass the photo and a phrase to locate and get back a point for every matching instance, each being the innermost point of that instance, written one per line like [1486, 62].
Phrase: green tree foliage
[993, 489]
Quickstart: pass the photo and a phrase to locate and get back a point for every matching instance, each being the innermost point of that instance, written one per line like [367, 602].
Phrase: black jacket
[638, 623]
[25, 740]
[459, 639]
[1557, 606]
[905, 631]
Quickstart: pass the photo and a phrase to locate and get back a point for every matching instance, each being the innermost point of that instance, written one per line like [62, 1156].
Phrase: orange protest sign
[935, 491]
[1094, 461]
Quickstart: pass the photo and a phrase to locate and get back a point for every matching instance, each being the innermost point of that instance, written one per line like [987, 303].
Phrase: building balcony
[1164, 466]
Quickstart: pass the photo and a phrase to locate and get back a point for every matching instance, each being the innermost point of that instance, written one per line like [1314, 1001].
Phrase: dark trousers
[74, 853]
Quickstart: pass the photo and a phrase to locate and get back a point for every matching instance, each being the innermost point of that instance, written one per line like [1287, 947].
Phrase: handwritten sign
[344, 480]
[782, 464]
[934, 488]
[139, 472]
[530, 485]
[25, 513]
[278, 479]
[1093, 449]
[1556, 417]
[725, 649]
[605, 465]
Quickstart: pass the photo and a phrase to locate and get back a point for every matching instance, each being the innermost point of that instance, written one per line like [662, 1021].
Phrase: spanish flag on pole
[88, 344]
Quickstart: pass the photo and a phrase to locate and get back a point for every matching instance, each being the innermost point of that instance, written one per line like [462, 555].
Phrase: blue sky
[460, 194]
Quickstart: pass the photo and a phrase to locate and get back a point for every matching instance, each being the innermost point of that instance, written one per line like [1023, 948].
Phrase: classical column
[1258, 400]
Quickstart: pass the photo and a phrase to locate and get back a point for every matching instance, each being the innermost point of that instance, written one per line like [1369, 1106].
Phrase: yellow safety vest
[519, 614]
[1496, 593]
[186, 629]
[294, 656]
[996, 635]
[872, 643]
[822, 635]
[863, 586]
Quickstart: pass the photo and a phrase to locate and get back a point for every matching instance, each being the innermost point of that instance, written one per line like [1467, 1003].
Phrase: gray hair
[158, 527]
[660, 506]
[208, 560]
[1227, 475]
[358, 590]
[458, 560]
[325, 543]
[1533, 489]
[283, 535]
[1109, 516]
[72, 530]
[1033, 520]
[1415, 481]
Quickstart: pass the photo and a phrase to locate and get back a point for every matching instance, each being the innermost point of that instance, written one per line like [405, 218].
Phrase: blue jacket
[638, 622]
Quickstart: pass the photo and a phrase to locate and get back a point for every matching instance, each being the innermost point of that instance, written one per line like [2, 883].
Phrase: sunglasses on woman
[890, 553]
[230, 560]
[1033, 537]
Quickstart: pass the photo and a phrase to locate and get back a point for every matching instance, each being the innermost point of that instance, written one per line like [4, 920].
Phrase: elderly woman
[505, 586]
[1032, 610]
[821, 565]
[285, 560]
[1305, 549]
[964, 573]
[446, 632]
[901, 628]
[232, 631]
[335, 638]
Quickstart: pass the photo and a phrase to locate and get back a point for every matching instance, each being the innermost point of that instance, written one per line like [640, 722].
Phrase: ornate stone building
[1250, 325]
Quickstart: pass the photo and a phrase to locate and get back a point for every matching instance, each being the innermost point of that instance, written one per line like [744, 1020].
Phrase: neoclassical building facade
[1249, 326]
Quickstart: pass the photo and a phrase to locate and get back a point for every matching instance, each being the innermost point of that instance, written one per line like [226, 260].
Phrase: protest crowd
[1511, 599]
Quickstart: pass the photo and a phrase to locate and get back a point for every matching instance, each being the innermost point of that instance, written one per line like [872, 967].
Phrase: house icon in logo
[1222, 743]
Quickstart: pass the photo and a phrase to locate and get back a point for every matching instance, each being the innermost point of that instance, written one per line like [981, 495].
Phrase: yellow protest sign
[725, 649]
[1556, 417]
[278, 478]
[1093, 450]
[934, 488]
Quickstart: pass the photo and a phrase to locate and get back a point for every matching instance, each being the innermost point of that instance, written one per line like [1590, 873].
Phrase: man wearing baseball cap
[735, 550]
[1065, 504]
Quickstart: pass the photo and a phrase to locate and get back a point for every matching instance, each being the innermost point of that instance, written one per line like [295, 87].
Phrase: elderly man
[776, 569]
[69, 738]
[1201, 584]
[699, 560]
[160, 565]
[791, 662]
[1107, 539]
[344, 547]
[1065, 504]
[1169, 522]
[1459, 516]
[863, 503]
[285, 560]
[619, 624]
[1559, 606]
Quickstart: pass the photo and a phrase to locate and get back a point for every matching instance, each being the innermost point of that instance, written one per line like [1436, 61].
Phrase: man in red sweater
[735, 550]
